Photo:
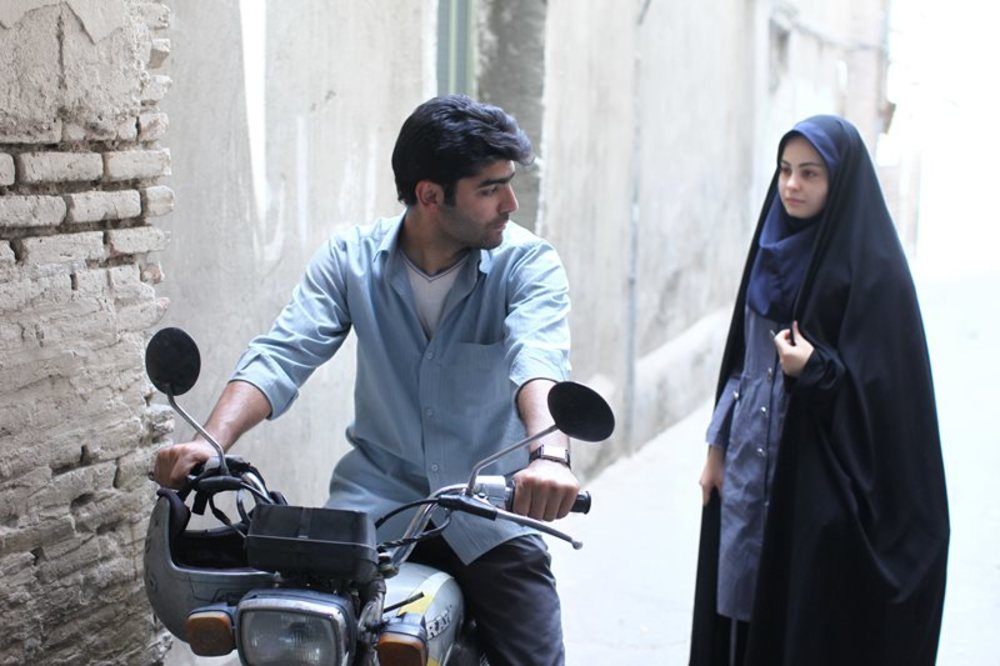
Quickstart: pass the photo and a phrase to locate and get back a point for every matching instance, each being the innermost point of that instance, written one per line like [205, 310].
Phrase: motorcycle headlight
[283, 630]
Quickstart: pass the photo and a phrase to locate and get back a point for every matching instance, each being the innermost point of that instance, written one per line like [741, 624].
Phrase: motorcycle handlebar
[499, 492]
[580, 505]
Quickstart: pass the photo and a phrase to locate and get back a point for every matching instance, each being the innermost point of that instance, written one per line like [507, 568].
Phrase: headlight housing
[290, 628]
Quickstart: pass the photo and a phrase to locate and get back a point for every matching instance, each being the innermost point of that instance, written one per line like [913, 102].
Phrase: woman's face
[802, 179]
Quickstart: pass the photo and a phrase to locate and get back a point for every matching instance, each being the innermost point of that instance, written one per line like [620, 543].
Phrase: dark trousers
[511, 593]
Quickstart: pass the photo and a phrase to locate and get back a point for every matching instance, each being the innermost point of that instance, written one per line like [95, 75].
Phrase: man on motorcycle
[461, 327]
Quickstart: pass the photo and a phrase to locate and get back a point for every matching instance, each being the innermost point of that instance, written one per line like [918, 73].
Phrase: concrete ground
[627, 594]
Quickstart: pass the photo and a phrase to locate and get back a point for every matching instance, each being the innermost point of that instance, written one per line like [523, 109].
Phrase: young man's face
[483, 205]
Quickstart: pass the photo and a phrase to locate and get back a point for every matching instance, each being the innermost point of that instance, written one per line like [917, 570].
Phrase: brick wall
[81, 165]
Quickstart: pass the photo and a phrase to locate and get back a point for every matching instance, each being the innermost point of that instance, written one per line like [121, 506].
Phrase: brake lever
[540, 526]
[480, 506]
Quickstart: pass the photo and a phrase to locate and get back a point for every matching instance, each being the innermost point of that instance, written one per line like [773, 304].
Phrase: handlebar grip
[580, 505]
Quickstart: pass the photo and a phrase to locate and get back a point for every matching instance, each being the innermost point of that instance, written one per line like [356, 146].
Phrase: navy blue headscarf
[786, 242]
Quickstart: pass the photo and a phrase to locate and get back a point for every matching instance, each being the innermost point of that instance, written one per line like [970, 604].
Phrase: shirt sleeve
[306, 334]
[536, 328]
[722, 417]
[820, 379]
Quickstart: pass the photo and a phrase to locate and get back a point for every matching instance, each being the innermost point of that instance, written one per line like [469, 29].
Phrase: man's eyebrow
[495, 181]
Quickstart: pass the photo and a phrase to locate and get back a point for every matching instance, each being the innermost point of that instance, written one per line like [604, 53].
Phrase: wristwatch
[554, 453]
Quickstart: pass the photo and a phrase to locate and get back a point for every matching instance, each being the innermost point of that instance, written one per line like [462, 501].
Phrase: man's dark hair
[452, 137]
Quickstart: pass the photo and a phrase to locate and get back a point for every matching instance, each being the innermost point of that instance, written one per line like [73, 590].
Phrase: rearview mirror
[172, 361]
[581, 412]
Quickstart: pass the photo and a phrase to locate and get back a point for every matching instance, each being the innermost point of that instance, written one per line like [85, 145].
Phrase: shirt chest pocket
[476, 376]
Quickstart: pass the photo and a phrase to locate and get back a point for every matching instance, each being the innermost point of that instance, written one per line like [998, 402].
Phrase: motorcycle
[286, 584]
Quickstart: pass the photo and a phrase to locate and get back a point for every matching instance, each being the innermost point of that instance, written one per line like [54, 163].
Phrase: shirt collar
[390, 242]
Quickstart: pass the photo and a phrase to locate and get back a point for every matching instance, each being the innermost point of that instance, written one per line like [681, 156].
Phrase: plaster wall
[587, 170]
[284, 122]
[696, 115]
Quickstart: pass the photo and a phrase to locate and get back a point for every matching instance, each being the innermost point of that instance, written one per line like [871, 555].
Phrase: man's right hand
[173, 463]
[712, 475]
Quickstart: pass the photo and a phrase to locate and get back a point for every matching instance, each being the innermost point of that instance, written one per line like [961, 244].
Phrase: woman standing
[825, 528]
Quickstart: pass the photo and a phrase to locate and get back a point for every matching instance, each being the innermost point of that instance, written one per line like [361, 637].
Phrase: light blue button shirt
[425, 409]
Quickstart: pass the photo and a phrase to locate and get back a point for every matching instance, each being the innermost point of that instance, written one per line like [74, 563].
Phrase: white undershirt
[430, 292]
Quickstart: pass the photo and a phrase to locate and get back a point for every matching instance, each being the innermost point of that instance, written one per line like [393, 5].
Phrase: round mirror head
[172, 361]
[581, 412]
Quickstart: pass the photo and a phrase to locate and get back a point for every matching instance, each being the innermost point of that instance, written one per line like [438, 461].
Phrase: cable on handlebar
[409, 505]
[423, 536]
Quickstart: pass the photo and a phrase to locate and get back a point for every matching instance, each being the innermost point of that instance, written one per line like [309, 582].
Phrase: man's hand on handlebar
[545, 490]
[173, 463]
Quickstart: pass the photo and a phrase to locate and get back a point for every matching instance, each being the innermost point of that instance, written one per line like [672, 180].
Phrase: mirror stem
[204, 433]
[500, 454]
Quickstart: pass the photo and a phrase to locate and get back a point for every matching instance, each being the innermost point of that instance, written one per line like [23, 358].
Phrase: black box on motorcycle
[324, 542]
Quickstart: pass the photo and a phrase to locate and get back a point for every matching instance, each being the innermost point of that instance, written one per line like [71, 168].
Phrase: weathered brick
[155, 15]
[131, 164]
[157, 200]
[37, 132]
[132, 468]
[7, 257]
[89, 323]
[6, 169]
[17, 569]
[152, 126]
[137, 240]
[91, 281]
[126, 285]
[155, 88]
[152, 273]
[160, 420]
[74, 484]
[50, 530]
[38, 366]
[127, 130]
[31, 211]
[96, 206]
[141, 316]
[66, 557]
[158, 52]
[10, 340]
[16, 491]
[93, 131]
[53, 167]
[107, 508]
[64, 248]
[17, 295]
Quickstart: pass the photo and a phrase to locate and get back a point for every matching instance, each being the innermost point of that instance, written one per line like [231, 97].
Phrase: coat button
[761, 452]
[763, 410]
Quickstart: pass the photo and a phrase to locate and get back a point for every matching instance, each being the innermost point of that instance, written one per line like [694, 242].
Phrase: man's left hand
[545, 490]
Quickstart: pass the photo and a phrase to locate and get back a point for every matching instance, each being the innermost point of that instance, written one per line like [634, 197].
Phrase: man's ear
[429, 193]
